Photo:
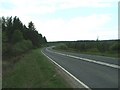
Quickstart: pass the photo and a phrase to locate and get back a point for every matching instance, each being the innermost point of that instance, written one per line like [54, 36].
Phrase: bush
[115, 47]
[62, 46]
[21, 47]
[17, 36]
[82, 47]
[103, 47]
[6, 50]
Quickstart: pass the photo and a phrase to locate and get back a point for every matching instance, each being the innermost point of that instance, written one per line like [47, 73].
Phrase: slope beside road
[32, 70]
[84, 68]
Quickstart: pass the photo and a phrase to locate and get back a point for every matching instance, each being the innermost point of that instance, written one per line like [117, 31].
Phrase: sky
[67, 20]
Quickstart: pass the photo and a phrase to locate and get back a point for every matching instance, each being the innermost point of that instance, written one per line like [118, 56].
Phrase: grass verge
[91, 52]
[33, 70]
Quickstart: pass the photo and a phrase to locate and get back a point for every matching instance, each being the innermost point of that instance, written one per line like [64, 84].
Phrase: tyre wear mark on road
[88, 60]
[88, 88]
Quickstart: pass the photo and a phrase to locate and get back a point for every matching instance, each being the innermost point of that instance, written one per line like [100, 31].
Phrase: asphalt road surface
[93, 71]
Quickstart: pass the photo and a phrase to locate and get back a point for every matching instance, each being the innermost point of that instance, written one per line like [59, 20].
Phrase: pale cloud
[50, 6]
[84, 3]
[76, 28]
[87, 27]
[27, 7]
[92, 22]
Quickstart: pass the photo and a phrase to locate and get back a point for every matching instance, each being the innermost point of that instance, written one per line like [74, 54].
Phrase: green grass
[0, 73]
[91, 52]
[33, 70]
[107, 54]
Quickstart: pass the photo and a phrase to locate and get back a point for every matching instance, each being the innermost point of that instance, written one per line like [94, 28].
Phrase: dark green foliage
[17, 24]
[4, 37]
[21, 47]
[3, 24]
[34, 36]
[115, 46]
[82, 47]
[62, 46]
[17, 38]
[105, 46]
[44, 39]
[5, 44]
[31, 26]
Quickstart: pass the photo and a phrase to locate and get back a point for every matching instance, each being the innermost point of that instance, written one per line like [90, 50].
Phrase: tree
[3, 24]
[44, 40]
[31, 26]
[17, 24]
[17, 36]
[9, 28]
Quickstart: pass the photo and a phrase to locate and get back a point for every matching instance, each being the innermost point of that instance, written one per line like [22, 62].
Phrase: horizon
[85, 40]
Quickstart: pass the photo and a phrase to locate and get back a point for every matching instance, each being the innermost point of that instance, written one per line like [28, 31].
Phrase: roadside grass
[90, 52]
[0, 73]
[33, 70]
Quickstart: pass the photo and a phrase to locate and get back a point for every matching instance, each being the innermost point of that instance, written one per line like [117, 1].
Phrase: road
[93, 71]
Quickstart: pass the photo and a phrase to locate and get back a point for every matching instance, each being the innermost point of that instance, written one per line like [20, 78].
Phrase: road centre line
[88, 60]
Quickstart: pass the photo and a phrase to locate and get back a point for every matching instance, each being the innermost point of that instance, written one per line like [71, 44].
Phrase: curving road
[93, 71]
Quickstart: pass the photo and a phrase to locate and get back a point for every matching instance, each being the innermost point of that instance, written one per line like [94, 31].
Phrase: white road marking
[88, 60]
[67, 72]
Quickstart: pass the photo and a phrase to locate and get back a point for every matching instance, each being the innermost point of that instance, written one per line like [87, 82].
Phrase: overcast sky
[64, 20]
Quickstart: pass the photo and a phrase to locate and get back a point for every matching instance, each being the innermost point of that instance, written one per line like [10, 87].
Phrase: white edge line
[97, 62]
[89, 60]
[67, 72]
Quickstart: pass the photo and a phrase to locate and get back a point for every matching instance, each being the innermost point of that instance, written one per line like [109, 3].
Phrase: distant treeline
[102, 46]
[17, 38]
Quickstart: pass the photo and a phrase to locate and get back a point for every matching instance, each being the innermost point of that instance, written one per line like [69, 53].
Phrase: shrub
[17, 36]
[103, 47]
[62, 46]
[21, 47]
[115, 47]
